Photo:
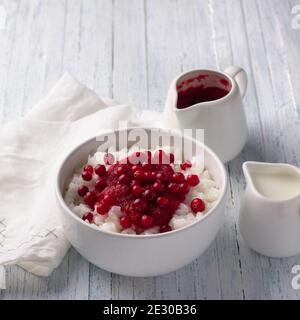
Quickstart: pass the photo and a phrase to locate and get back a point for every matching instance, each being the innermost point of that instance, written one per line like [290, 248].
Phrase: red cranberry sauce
[201, 88]
[148, 193]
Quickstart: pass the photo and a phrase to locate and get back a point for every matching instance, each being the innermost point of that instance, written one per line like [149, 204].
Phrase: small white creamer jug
[269, 217]
[210, 100]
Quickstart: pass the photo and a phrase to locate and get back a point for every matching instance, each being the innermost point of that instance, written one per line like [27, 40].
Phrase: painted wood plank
[177, 28]
[282, 105]
[286, 106]
[291, 39]
[164, 62]
[228, 248]
[250, 269]
[129, 85]
[88, 56]
[26, 17]
[7, 41]
[88, 44]
[129, 54]
[260, 274]
[37, 68]
[15, 77]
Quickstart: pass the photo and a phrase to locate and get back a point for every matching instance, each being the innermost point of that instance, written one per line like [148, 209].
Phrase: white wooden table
[130, 50]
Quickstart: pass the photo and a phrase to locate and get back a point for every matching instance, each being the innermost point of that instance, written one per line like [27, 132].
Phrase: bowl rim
[73, 215]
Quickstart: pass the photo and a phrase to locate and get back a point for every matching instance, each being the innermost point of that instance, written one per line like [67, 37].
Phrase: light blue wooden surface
[131, 50]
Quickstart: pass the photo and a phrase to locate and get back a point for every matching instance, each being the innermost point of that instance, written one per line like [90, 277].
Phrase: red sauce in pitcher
[194, 95]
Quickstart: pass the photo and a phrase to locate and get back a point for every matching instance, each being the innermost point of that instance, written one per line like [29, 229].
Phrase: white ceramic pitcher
[269, 217]
[223, 119]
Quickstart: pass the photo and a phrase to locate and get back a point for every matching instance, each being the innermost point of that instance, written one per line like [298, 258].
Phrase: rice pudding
[141, 192]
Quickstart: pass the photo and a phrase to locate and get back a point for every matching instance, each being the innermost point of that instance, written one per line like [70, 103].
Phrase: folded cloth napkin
[32, 148]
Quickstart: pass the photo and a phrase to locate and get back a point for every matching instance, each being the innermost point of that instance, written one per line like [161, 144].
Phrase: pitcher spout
[273, 181]
[248, 168]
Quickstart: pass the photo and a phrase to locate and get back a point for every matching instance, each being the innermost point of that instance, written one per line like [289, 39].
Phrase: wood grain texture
[131, 50]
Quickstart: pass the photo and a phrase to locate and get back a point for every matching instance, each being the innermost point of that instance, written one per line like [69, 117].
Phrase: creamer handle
[240, 76]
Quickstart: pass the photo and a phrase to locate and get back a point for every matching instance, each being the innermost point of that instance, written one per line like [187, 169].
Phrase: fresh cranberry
[173, 187]
[109, 158]
[193, 180]
[184, 188]
[186, 165]
[125, 222]
[148, 156]
[87, 175]
[135, 168]
[172, 158]
[101, 208]
[162, 201]
[162, 177]
[160, 157]
[148, 177]
[157, 213]
[89, 168]
[109, 199]
[100, 184]
[140, 204]
[158, 187]
[149, 195]
[165, 228]
[178, 177]
[121, 169]
[197, 205]
[90, 198]
[100, 170]
[82, 191]
[137, 190]
[147, 221]
[88, 216]
[123, 179]
[139, 176]
[153, 175]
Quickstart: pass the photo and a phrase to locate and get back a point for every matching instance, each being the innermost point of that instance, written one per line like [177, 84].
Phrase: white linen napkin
[31, 234]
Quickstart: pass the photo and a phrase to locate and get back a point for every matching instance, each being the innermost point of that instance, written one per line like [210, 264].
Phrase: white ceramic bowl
[140, 255]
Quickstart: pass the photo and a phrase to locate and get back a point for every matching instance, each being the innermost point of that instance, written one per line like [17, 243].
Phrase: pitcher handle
[240, 76]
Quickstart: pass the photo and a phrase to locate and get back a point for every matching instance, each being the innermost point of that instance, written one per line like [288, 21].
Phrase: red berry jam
[145, 186]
